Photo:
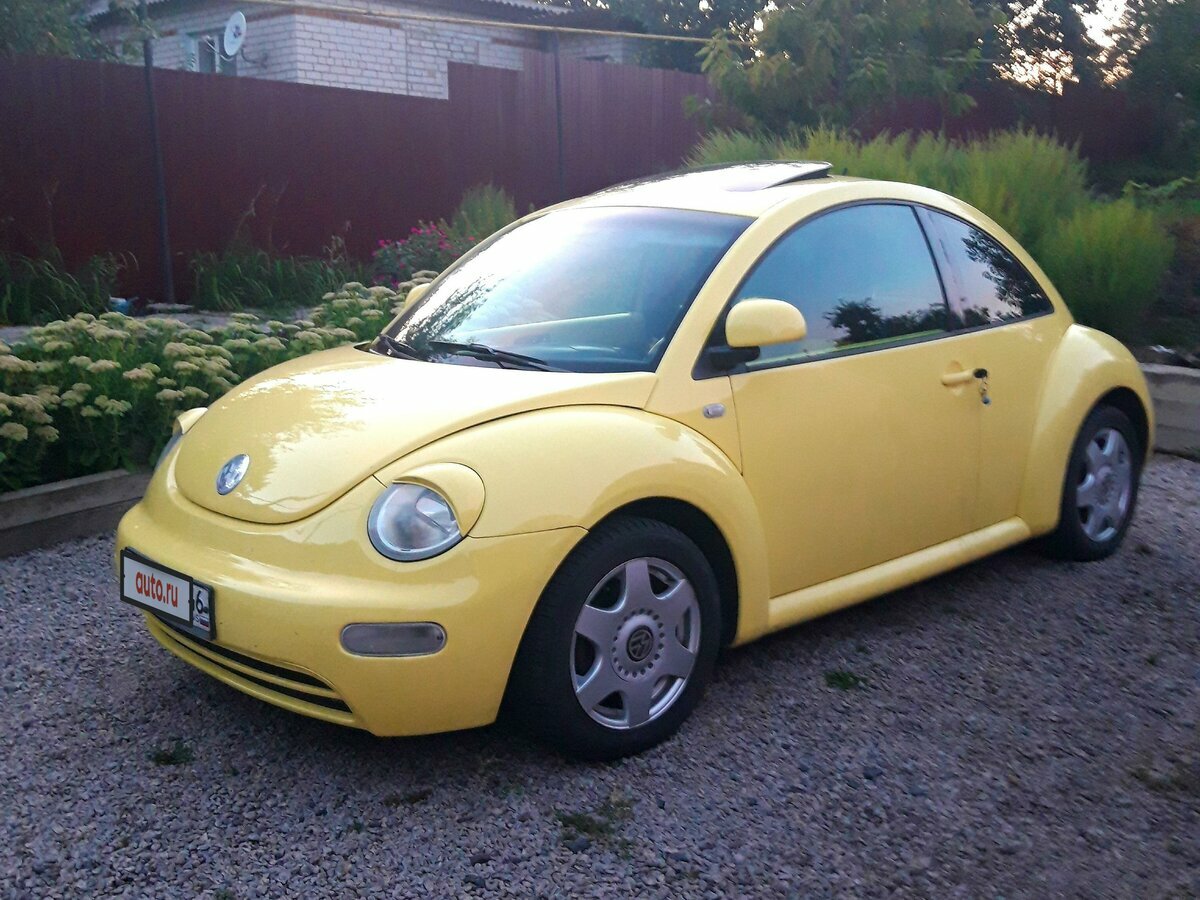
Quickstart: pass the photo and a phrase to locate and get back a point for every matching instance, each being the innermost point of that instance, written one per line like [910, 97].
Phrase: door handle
[957, 379]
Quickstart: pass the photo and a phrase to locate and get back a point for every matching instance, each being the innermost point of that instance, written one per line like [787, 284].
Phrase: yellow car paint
[284, 593]
[829, 482]
[320, 424]
[1086, 366]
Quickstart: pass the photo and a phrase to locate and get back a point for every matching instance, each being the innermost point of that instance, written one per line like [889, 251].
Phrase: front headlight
[410, 522]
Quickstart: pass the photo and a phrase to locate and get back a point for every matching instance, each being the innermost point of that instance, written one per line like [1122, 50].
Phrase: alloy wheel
[1105, 485]
[635, 643]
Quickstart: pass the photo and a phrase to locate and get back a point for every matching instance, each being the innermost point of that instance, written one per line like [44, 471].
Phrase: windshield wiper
[503, 358]
[393, 347]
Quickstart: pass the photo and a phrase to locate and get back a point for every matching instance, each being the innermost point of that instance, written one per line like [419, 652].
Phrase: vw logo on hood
[232, 473]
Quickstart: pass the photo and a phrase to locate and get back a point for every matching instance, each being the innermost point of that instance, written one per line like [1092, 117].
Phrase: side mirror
[761, 323]
[416, 294]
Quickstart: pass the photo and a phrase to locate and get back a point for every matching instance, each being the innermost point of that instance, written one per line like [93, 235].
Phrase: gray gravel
[1026, 728]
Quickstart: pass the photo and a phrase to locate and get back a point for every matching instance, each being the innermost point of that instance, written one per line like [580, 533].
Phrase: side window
[863, 277]
[986, 284]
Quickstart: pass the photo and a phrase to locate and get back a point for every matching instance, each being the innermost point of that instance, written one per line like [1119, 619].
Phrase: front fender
[1087, 365]
[571, 467]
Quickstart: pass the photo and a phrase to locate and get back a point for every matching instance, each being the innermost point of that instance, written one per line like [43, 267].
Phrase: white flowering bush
[89, 394]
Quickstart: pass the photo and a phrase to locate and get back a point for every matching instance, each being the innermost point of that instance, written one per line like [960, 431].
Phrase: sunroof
[758, 176]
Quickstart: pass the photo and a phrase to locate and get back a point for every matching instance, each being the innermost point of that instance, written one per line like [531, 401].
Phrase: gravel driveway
[1016, 728]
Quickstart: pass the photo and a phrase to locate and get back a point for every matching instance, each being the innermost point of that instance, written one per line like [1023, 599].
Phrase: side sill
[820, 599]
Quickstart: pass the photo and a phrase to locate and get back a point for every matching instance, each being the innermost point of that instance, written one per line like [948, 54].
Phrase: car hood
[315, 427]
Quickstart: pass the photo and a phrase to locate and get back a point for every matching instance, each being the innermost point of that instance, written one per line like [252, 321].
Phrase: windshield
[585, 290]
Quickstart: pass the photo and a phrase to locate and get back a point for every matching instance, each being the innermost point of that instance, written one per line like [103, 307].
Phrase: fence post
[160, 178]
[558, 120]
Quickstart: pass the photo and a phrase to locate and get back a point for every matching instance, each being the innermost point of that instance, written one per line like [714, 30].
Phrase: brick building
[329, 42]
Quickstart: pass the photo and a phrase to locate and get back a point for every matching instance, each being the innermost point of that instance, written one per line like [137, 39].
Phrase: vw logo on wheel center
[639, 644]
[232, 473]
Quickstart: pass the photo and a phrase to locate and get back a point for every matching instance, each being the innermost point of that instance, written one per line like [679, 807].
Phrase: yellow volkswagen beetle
[622, 433]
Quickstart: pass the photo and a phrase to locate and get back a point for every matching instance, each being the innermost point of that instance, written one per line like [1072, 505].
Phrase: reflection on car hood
[317, 426]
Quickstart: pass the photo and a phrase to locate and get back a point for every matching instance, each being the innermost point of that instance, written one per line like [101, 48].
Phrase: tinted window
[589, 290]
[862, 276]
[985, 283]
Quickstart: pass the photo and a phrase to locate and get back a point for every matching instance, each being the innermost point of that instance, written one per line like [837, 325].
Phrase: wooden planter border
[47, 514]
[1176, 394]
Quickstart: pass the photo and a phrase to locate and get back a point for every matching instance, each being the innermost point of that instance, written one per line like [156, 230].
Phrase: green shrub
[243, 277]
[35, 290]
[432, 246]
[722, 147]
[885, 157]
[484, 210]
[1026, 182]
[926, 159]
[89, 394]
[428, 247]
[1108, 260]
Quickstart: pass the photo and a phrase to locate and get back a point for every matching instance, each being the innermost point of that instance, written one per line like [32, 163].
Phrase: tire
[653, 631]
[1105, 467]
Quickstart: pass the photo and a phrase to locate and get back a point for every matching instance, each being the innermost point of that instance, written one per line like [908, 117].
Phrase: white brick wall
[270, 48]
[604, 47]
[397, 56]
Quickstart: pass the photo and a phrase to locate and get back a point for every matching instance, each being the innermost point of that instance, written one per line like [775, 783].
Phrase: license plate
[180, 600]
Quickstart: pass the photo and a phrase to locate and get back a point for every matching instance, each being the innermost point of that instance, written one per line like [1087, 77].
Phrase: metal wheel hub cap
[1105, 487]
[635, 643]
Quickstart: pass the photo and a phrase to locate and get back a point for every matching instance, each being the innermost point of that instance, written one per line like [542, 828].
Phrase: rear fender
[1087, 365]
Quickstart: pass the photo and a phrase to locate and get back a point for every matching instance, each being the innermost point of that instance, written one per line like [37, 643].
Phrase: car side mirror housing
[759, 322]
[416, 293]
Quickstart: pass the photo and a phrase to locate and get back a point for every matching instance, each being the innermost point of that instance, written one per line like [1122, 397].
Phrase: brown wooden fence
[76, 171]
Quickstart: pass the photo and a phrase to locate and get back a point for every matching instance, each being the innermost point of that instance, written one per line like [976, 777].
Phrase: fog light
[394, 639]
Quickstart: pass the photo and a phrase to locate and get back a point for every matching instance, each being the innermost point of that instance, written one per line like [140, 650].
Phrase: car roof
[744, 189]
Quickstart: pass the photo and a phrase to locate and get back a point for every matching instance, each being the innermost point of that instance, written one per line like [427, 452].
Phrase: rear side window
[862, 276]
[986, 285]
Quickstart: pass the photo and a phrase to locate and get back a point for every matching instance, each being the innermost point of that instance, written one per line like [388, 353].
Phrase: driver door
[860, 443]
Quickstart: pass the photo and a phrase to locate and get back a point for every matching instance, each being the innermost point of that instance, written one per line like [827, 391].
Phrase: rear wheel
[622, 643]
[1100, 491]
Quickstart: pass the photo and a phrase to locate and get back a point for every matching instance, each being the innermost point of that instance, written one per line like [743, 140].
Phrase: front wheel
[1101, 487]
[622, 643]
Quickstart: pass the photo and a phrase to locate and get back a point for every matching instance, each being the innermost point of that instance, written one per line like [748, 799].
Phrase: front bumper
[283, 593]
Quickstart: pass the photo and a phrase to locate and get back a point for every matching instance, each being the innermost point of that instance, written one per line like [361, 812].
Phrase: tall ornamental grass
[34, 290]
[243, 276]
[1107, 255]
[484, 210]
[1107, 258]
[1028, 183]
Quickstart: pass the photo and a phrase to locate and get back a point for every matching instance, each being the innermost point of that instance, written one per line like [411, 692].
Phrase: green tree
[1042, 43]
[691, 18]
[1158, 51]
[48, 27]
[837, 61]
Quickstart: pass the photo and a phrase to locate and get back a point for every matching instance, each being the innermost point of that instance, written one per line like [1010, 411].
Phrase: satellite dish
[235, 34]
